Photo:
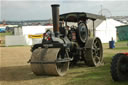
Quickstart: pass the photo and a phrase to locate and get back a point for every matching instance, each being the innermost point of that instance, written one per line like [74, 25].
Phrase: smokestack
[55, 18]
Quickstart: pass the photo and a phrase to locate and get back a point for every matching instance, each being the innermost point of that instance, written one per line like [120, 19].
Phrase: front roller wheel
[94, 52]
[119, 67]
[49, 55]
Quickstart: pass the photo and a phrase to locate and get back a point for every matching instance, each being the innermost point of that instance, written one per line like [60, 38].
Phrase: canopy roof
[77, 16]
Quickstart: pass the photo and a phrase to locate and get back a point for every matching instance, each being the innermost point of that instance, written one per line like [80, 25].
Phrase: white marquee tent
[21, 35]
[106, 31]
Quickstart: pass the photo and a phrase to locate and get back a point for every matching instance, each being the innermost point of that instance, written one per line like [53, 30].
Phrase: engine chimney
[55, 17]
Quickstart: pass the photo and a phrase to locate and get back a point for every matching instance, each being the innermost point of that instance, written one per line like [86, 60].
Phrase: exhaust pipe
[55, 18]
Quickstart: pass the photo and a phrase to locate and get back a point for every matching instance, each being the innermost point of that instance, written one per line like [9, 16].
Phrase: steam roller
[66, 44]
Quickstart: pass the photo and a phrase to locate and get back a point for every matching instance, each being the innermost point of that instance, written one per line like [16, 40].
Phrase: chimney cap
[55, 5]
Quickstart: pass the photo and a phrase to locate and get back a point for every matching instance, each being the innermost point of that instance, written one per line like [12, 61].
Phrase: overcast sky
[41, 9]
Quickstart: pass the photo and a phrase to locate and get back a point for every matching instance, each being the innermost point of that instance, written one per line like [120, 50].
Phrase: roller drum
[48, 55]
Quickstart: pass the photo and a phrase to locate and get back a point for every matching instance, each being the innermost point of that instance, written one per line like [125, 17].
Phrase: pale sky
[41, 9]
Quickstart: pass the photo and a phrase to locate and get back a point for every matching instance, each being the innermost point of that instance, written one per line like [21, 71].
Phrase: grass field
[4, 34]
[14, 69]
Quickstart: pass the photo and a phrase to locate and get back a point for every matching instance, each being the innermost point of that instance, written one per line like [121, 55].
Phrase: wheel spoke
[98, 49]
[94, 45]
[97, 58]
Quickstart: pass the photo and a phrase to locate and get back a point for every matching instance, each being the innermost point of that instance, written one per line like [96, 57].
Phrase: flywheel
[82, 34]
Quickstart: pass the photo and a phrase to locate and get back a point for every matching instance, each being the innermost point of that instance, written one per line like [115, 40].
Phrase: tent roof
[109, 24]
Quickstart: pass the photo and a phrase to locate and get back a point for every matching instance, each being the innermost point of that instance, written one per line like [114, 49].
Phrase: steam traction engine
[66, 44]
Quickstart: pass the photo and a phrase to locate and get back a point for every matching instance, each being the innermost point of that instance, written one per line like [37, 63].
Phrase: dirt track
[14, 56]
[14, 69]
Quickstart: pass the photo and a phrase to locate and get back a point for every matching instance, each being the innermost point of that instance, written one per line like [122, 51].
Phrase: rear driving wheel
[94, 52]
